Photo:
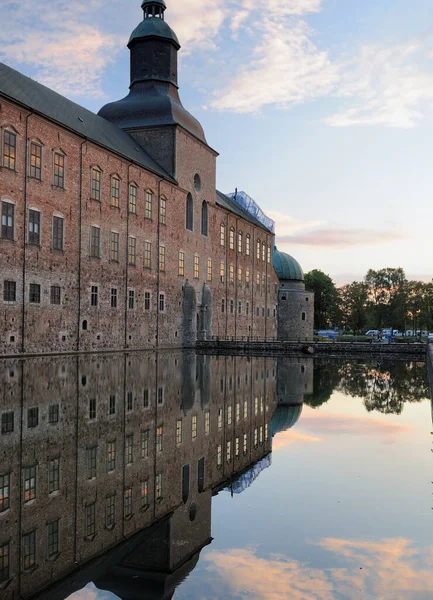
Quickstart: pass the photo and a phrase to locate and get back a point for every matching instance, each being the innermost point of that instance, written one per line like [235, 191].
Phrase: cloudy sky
[322, 110]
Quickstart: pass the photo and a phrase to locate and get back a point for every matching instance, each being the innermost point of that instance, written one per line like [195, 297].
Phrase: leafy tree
[326, 299]
[354, 298]
[387, 297]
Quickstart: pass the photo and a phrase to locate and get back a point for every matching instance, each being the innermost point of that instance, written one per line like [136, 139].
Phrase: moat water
[173, 475]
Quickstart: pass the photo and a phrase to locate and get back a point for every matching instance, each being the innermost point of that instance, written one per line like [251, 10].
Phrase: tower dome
[153, 101]
[286, 267]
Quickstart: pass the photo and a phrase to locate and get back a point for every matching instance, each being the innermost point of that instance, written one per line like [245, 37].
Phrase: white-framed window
[96, 181]
[258, 249]
[95, 242]
[115, 191]
[132, 199]
[231, 274]
[163, 211]
[240, 237]
[181, 265]
[194, 426]
[132, 251]
[209, 269]
[9, 149]
[114, 246]
[179, 431]
[232, 238]
[148, 205]
[162, 257]
[247, 244]
[161, 302]
[35, 163]
[196, 267]
[222, 234]
[240, 274]
[59, 169]
[147, 255]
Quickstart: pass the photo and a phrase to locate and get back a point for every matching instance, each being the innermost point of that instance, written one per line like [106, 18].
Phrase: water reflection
[110, 463]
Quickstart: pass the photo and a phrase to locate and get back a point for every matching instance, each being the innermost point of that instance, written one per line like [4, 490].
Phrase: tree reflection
[384, 386]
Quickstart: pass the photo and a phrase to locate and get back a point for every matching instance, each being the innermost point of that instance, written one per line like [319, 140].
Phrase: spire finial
[153, 8]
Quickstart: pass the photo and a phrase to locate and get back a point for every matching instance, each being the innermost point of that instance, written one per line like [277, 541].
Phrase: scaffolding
[253, 208]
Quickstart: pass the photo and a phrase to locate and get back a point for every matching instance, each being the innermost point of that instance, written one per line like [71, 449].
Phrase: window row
[129, 404]
[34, 293]
[8, 418]
[34, 226]
[263, 251]
[30, 485]
[131, 300]
[260, 434]
[231, 309]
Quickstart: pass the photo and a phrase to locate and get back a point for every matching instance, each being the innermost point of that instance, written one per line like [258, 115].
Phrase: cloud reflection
[286, 438]
[386, 569]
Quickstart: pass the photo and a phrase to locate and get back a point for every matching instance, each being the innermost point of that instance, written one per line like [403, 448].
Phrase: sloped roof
[31, 94]
[233, 207]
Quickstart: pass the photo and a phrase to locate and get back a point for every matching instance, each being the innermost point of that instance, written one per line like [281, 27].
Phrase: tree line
[384, 299]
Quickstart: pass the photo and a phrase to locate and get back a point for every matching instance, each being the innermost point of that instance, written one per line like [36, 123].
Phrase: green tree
[387, 294]
[354, 299]
[326, 299]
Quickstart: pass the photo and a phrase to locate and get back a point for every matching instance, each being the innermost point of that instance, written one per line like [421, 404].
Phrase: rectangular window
[245, 443]
[219, 456]
[266, 432]
[247, 308]
[237, 447]
[113, 298]
[96, 184]
[53, 475]
[53, 538]
[59, 170]
[91, 456]
[232, 239]
[114, 246]
[35, 293]
[95, 242]
[129, 449]
[200, 474]
[269, 254]
[160, 395]
[91, 520]
[247, 245]
[144, 494]
[29, 483]
[256, 404]
[131, 299]
[258, 251]
[146, 399]
[196, 267]
[4, 562]
[232, 307]
[179, 431]
[247, 276]
[220, 418]
[146, 300]
[32, 417]
[261, 434]
[239, 274]
[8, 220]
[92, 409]
[159, 439]
[115, 192]
[34, 227]
[207, 422]
[255, 437]
[238, 411]
[263, 252]
[222, 272]
[181, 269]
[223, 305]
[231, 274]
[112, 405]
[261, 404]
[58, 233]
[163, 211]
[245, 409]
[94, 296]
[194, 427]
[162, 258]
[132, 204]
[223, 235]
[53, 413]
[158, 487]
[209, 269]
[8, 422]
[132, 251]
[55, 294]
[239, 307]
[35, 161]
[111, 456]
[161, 302]
[29, 550]
[5, 499]
[229, 451]
[9, 291]
[110, 511]
[9, 150]
[144, 443]
[148, 206]
[229, 415]
[147, 255]
[128, 503]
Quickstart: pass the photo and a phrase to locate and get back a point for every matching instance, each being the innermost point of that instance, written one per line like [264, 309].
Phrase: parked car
[372, 332]
[430, 337]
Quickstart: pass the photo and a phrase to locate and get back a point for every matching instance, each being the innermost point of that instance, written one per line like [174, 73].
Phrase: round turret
[286, 267]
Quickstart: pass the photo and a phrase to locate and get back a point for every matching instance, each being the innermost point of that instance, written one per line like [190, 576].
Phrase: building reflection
[108, 464]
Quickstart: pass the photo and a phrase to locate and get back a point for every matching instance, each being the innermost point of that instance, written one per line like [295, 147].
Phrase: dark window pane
[55, 294]
[59, 170]
[34, 227]
[57, 233]
[35, 161]
[35, 293]
[9, 150]
[9, 291]
[8, 220]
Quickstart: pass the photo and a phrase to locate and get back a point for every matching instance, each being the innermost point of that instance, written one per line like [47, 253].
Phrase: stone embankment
[411, 351]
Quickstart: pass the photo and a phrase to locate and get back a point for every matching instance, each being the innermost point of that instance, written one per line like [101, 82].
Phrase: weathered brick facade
[137, 302]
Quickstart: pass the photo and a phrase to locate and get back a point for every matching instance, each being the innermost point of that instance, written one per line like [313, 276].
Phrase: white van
[372, 332]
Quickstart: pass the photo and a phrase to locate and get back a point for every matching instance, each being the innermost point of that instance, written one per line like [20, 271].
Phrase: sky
[321, 110]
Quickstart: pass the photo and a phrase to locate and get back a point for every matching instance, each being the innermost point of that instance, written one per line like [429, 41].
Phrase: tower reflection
[108, 464]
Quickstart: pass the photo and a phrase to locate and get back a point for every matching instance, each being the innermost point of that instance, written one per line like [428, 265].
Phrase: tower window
[303, 316]
[189, 224]
[204, 218]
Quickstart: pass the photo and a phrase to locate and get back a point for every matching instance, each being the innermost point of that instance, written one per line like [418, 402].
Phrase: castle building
[113, 235]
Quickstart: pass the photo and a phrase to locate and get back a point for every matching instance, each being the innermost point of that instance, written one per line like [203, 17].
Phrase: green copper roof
[285, 417]
[286, 267]
[153, 27]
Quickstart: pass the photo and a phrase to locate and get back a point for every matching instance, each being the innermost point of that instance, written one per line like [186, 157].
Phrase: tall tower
[152, 111]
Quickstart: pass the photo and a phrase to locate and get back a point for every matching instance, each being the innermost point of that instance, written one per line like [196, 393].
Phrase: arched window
[204, 218]
[189, 213]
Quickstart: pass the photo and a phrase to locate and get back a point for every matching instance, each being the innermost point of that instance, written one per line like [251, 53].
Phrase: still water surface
[190, 477]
